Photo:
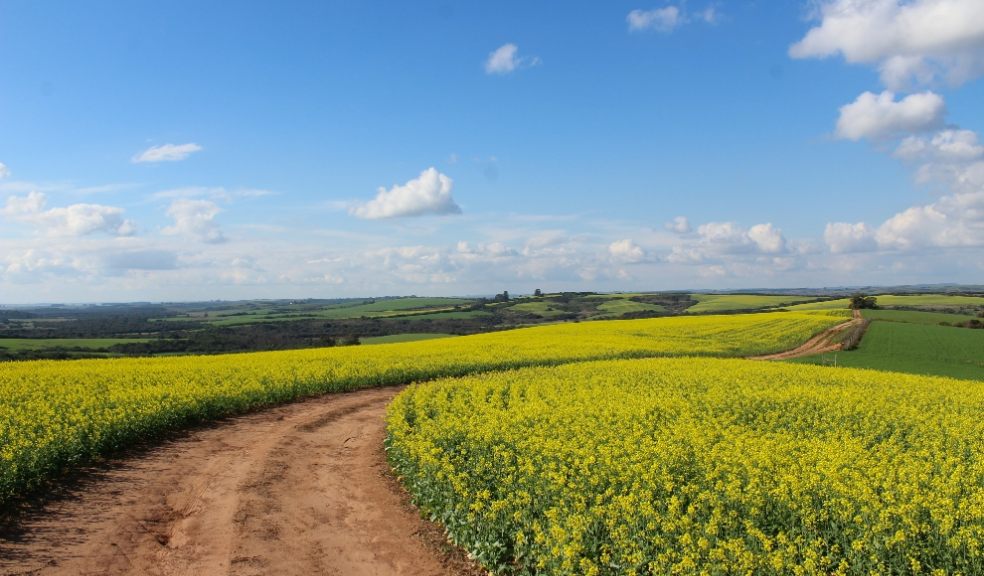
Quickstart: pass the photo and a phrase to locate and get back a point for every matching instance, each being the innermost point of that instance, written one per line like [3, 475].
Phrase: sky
[188, 150]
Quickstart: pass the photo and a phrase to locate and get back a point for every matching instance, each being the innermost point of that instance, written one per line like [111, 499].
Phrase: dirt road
[299, 489]
[823, 342]
[295, 490]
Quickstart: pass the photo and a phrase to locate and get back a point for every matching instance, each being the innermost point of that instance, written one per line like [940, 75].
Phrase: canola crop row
[58, 414]
[699, 466]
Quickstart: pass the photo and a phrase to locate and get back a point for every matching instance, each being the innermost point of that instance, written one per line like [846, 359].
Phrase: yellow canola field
[59, 414]
[699, 466]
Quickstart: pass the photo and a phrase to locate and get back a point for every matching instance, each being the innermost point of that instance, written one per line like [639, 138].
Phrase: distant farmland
[903, 341]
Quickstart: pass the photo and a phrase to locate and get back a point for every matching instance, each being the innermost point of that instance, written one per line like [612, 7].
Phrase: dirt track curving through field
[299, 489]
[294, 490]
[822, 343]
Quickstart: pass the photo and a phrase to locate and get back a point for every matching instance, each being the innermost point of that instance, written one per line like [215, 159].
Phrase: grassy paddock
[934, 301]
[619, 306]
[915, 348]
[916, 317]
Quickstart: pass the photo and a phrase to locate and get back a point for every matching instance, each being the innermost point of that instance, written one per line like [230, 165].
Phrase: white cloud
[842, 237]
[166, 153]
[506, 59]
[20, 207]
[626, 251]
[767, 238]
[659, 19]
[912, 42]
[24, 265]
[429, 193]
[685, 255]
[719, 238]
[195, 218]
[956, 220]
[878, 116]
[722, 233]
[946, 145]
[73, 220]
[4, 171]
[679, 224]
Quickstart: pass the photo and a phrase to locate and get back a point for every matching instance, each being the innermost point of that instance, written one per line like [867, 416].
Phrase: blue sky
[183, 150]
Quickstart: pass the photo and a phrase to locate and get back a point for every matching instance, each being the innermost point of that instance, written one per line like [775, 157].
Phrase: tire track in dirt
[823, 342]
[299, 489]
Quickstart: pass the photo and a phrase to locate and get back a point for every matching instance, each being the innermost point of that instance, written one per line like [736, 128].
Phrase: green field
[891, 300]
[18, 344]
[382, 308]
[619, 306]
[542, 308]
[410, 337]
[915, 348]
[930, 300]
[449, 315]
[730, 302]
[915, 317]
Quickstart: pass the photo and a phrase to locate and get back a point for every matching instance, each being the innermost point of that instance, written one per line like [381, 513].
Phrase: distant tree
[505, 295]
[537, 293]
[860, 301]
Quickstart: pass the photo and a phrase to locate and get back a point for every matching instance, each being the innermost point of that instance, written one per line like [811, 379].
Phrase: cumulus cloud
[722, 233]
[23, 207]
[767, 238]
[73, 220]
[730, 238]
[946, 145]
[429, 193]
[24, 265]
[626, 251]
[956, 220]
[679, 224]
[912, 42]
[166, 153]
[842, 237]
[195, 218]
[659, 19]
[4, 171]
[506, 59]
[729, 247]
[685, 255]
[880, 116]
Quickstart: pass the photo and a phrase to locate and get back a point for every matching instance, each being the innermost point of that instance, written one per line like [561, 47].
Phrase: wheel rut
[826, 341]
[299, 489]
